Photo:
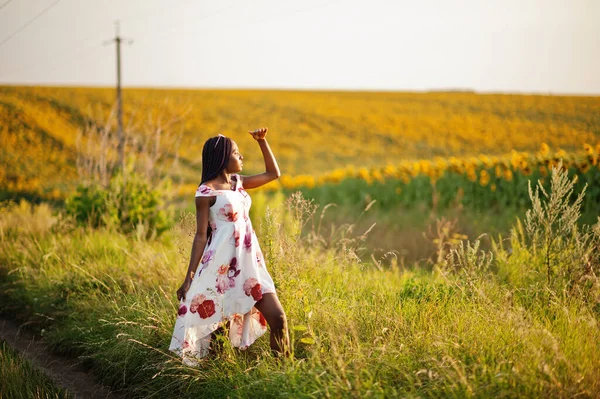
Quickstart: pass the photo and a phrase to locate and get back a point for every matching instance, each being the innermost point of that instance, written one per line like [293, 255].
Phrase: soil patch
[67, 373]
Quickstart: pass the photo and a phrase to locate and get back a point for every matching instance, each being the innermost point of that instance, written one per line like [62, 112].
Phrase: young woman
[227, 281]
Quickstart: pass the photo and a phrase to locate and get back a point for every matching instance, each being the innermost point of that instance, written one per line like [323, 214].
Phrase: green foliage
[128, 204]
[449, 190]
[89, 205]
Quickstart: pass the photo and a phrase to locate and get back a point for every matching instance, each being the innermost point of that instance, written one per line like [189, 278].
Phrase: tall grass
[482, 324]
[20, 380]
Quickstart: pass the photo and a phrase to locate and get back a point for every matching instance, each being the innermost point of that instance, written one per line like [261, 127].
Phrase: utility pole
[121, 135]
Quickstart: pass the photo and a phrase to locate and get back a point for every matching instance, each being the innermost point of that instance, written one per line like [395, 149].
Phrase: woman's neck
[224, 178]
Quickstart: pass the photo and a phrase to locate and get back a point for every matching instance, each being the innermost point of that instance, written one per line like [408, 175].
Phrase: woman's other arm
[200, 239]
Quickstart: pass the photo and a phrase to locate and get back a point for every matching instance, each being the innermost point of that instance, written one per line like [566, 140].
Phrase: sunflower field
[347, 147]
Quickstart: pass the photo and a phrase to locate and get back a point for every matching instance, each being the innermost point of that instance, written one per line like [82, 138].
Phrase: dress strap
[235, 178]
[205, 191]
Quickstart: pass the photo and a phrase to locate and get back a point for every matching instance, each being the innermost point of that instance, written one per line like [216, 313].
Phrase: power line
[4, 5]
[28, 23]
[49, 60]
[78, 59]
[196, 18]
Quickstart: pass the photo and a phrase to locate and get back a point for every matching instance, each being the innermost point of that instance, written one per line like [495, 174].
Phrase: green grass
[358, 329]
[406, 214]
[449, 191]
[20, 380]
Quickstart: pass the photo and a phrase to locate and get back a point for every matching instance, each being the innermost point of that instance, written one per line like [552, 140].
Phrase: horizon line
[314, 89]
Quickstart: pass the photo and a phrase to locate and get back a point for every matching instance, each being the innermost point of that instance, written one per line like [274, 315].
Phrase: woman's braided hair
[215, 156]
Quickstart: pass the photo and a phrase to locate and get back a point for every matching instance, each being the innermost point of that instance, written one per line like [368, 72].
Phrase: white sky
[545, 46]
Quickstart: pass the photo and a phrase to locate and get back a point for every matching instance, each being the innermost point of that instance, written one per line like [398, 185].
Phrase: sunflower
[484, 178]
[584, 167]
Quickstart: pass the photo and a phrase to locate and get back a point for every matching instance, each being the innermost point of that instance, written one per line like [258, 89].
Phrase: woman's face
[234, 165]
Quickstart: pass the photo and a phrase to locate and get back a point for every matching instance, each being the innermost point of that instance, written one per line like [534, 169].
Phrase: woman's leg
[273, 312]
[246, 331]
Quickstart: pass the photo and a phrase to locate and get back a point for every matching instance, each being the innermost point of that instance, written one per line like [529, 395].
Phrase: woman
[227, 281]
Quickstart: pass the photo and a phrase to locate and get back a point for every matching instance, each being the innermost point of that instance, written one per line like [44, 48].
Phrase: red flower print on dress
[238, 323]
[233, 272]
[222, 279]
[208, 256]
[196, 301]
[226, 275]
[257, 292]
[227, 213]
[182, 310]
[262, 320]
[204, 307]
[248, 239]
[252, 288]
[236, 237]
[212, 229]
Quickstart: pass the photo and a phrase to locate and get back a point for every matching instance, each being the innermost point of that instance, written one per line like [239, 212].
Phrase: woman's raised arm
[271, 168]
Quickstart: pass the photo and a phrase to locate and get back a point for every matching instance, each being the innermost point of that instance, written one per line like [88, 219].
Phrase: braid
[215, 156]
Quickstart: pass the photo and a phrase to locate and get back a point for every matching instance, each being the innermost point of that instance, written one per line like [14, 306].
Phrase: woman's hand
[183, 289]
[259, 134]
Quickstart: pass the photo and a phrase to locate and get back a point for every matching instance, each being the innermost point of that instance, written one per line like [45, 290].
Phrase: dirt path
[65, 372]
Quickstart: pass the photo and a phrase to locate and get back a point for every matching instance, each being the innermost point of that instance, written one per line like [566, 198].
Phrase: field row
[474, 167]
[311, 133]
[478, 181]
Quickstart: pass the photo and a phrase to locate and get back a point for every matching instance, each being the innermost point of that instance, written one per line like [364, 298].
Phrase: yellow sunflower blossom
[515, 159]
[583, 167]
[484, 178]
[376, 175]
[471, 174]
[498, 171]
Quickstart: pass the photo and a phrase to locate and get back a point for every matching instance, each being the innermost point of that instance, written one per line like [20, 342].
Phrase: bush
[128, 204]
[569, 251]
[88, 205]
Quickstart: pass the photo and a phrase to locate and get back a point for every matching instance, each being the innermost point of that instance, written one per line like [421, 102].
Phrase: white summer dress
[229, 280]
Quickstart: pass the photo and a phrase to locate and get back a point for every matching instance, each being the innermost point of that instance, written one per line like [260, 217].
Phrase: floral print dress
[229, 280]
